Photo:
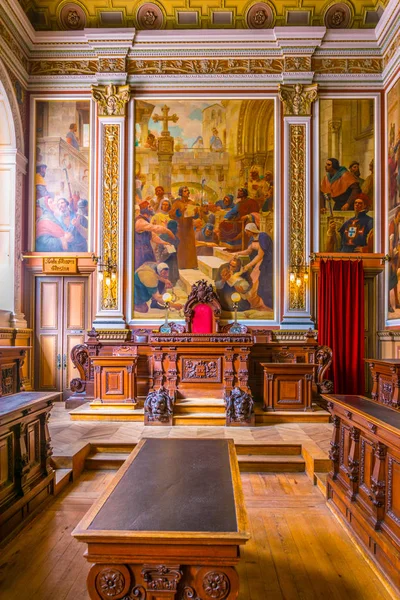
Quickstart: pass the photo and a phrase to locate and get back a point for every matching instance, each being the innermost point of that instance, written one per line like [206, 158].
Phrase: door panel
[62, 317]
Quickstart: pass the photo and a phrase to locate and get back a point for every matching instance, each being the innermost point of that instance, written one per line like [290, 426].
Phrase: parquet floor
[297, 550]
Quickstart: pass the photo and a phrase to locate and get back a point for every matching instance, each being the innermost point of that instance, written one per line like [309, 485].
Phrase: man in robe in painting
[230, 280]
[255, 185]
[260, 267]
[394, 243]
[184, 211]
[368, 185]
[71, 136]
[268, 191]
[244, 206]
[40, 182]
[159, 196]
[357, 232]
[51, 236]
[146, 281]
[340, 185]
[145, 234]
[226, 203]
[206, 240]
[81, 224]
[354, 167]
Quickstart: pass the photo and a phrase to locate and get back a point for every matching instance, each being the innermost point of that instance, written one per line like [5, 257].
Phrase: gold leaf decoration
[110, 211]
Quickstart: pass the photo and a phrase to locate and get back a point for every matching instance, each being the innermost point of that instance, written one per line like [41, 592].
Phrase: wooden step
[61, 479]
[210, 419]
[85, 413]
[193, 406]
[113, 447]
[284, 463]
[320, 482]
[267, 449]
[291, 416]
[106, 460]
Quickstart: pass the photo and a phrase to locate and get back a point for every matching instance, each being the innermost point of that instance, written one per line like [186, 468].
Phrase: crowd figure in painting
[61, 219]
[344, 189]
[172, 234]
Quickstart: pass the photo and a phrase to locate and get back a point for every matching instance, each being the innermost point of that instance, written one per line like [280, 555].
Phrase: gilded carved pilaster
[110, 200]
[297, 216]
[297, 100]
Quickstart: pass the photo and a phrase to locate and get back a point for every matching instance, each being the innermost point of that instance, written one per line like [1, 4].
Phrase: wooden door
[62, 316]
[75, 323]
[48, 327]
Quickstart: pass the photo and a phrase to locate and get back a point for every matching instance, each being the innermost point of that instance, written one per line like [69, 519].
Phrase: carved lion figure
[239, 405]
[158, 405]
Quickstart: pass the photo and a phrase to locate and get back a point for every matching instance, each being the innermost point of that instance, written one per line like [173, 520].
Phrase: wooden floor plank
[297, 550]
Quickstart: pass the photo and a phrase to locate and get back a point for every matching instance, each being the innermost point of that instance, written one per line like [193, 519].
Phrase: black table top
[21, 400]
[380, 412]
[173, 485]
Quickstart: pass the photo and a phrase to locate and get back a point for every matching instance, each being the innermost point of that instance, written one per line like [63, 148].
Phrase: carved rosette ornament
[260, 16]
[111, 99]
[110, 234]
[150, 16]
[338, 16]
[216, 585]
[72, 16]
[297, 99]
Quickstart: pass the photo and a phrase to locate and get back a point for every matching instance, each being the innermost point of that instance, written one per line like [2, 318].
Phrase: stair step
[112, 447]
[106, 460]
[320, 481]
[199, 406]
[267, 449]
[212, 419]
[271, 464]
[61, 479]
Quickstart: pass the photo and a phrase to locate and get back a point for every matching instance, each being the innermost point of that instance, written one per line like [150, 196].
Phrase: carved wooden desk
[364, 484]
[200, 365]
[26, 477]
[170, 524]
[386, 380]
[288, 386]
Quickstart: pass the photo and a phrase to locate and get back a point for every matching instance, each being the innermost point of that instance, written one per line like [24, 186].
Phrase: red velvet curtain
[341, 322]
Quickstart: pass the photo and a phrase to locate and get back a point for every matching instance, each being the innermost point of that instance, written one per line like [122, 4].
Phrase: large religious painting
[393, 165]
[347, 147]
[61, 180]
[204, 204]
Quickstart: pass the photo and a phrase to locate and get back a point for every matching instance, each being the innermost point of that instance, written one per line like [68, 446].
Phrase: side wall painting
[204, 204]
[61, 187]
[347, 147]
[393, 140]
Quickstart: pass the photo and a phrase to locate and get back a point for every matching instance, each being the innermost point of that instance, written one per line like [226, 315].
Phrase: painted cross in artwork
[204, 204]
[62, 175]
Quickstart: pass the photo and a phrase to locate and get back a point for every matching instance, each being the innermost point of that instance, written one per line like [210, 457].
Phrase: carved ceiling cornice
[267, 57]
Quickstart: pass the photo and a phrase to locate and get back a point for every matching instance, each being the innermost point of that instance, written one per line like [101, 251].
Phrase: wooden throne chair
[202, 310]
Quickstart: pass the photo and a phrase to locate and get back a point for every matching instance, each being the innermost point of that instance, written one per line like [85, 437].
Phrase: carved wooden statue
[158, 408]
[239, 408]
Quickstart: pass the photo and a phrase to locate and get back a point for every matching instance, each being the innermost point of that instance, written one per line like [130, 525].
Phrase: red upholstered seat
[202, 321]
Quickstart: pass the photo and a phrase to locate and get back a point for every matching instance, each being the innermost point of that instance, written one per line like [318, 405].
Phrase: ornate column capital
[111, 99]
[297, 98]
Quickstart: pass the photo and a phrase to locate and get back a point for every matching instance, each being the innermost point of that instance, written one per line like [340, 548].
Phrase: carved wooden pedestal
[288, 386]
[114, 379]
[178, 536]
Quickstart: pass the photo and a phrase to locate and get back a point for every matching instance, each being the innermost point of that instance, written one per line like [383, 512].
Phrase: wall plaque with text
[60, 265]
